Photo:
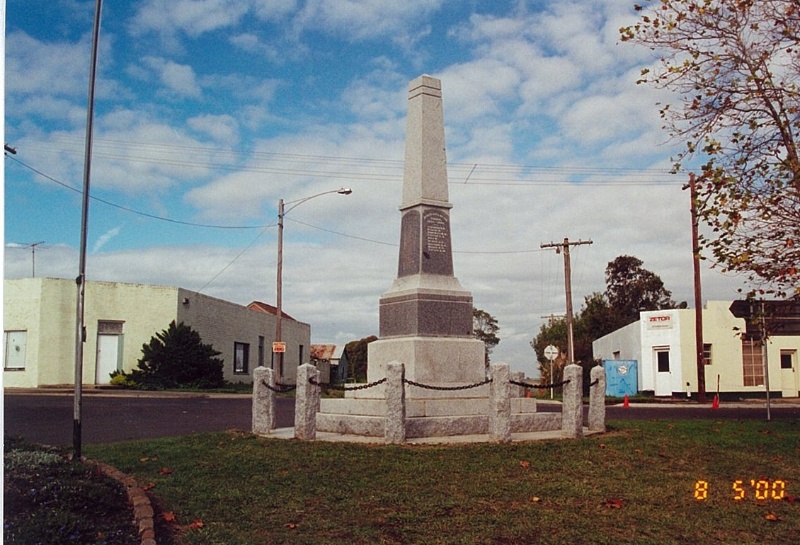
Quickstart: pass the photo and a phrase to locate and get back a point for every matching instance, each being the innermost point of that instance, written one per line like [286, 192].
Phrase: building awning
[780, 318]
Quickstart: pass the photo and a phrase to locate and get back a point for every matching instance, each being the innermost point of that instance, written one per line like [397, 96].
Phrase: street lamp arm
[298, 202]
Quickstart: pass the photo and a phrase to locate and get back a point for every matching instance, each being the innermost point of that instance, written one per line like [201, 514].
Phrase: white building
[663, 344]
[39, 317]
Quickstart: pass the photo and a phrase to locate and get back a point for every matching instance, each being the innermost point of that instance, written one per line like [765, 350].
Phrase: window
[752, 363]
[706, 354]
[787, 359]
[301, 354]
[14, 357]
[663, 361]
[261, 350]
[241, 358]
[109, 327]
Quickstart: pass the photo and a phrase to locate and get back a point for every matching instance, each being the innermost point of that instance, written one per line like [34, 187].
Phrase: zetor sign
[663, 321]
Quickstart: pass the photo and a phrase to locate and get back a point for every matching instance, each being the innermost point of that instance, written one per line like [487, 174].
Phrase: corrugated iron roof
[323, 351]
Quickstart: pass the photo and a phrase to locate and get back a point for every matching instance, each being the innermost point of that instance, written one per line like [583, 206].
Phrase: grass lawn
[635, 484]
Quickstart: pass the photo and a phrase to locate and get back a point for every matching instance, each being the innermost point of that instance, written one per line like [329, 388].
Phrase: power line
[131, 210]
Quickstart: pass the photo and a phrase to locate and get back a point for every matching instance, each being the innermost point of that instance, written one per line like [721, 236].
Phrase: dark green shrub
[177, 358]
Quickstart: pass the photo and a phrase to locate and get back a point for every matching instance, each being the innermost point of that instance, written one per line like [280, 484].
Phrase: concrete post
[306, 403]
[395, 429]
[572, 407]
[500, 404]
[263, 400]
[517, 391]
[597, 399]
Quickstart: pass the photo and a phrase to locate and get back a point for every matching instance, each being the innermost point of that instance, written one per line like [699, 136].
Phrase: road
[107, 418]
[48, 419]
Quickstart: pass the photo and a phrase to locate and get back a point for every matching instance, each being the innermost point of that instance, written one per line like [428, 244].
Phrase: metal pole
[80, 334]
[279, 288]
[279, 298]
[765, 356]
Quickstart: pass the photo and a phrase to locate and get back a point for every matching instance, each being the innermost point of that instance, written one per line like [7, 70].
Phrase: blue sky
[208, 112]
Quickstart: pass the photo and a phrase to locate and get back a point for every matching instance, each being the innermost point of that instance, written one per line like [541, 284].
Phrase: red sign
[279, 347]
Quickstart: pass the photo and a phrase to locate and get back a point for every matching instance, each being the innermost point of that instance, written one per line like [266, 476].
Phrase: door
[107, 357]
[663, 374]
[789, 375]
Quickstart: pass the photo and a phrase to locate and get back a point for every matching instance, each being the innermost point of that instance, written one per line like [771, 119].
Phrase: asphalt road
[107, 418]
[48, 419]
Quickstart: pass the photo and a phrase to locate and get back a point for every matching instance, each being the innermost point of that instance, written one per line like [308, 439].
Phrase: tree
[177, 357]
[356, 352]
[631, 289]
[735, 66]
[485, 328]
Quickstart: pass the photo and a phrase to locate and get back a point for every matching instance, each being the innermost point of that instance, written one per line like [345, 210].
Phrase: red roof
[269, 309]
[323, 351]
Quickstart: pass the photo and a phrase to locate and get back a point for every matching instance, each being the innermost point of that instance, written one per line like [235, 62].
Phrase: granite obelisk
[426, 315]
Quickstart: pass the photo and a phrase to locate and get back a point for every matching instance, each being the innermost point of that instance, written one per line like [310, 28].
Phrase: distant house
[327, 357]
[662, 343]
[40, 328]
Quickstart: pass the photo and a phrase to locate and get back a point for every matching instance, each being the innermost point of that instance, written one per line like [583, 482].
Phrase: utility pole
[565, 246]
[698, 299]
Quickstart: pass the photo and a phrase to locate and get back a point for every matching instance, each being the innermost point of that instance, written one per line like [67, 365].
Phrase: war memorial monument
[426, 375]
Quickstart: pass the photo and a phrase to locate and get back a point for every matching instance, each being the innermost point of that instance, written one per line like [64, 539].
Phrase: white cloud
[179, 79]
[194, 17]
[103, 239]
[222, 128]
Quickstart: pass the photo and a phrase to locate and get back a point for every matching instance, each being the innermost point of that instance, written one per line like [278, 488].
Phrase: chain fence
[279, 388]
[343, 387]
[447, 388]
[540, 386]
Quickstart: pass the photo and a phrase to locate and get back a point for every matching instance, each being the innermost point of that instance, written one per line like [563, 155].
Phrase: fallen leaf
[196, 524]
[613, 503]
[524, 463]
[148, 486]
[535, 499]
[144, 459]
[168, 516]
[292, 525]
[601, 445]
[772, 517]
[165, 471]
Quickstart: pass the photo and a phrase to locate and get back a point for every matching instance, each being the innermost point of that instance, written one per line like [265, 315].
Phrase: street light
[279, 291]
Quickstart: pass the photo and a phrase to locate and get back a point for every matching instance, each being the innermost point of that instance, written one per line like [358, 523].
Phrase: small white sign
[550, 352]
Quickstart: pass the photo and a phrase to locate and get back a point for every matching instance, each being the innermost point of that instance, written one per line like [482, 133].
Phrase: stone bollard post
[597, 399]
[572, 407]
[263, 400]
[500, 404]
[306, 403]
[395, 429]
[517, 391]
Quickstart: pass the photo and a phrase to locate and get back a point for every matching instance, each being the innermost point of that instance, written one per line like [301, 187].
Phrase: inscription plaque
[437, 255]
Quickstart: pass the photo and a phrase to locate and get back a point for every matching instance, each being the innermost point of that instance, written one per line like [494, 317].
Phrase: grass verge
[635, 484]
[51, 500]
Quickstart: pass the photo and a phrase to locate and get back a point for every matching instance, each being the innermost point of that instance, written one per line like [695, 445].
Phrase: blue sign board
[621, 377]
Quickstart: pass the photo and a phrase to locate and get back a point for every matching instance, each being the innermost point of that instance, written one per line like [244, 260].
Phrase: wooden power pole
[565, 246]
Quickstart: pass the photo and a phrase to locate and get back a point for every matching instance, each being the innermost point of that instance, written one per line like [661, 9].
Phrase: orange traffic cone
[625, 401]
[715, 403]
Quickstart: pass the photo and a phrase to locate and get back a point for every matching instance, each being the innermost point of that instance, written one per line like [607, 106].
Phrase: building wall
[222, 323]
[45, 308]
[674, 331]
